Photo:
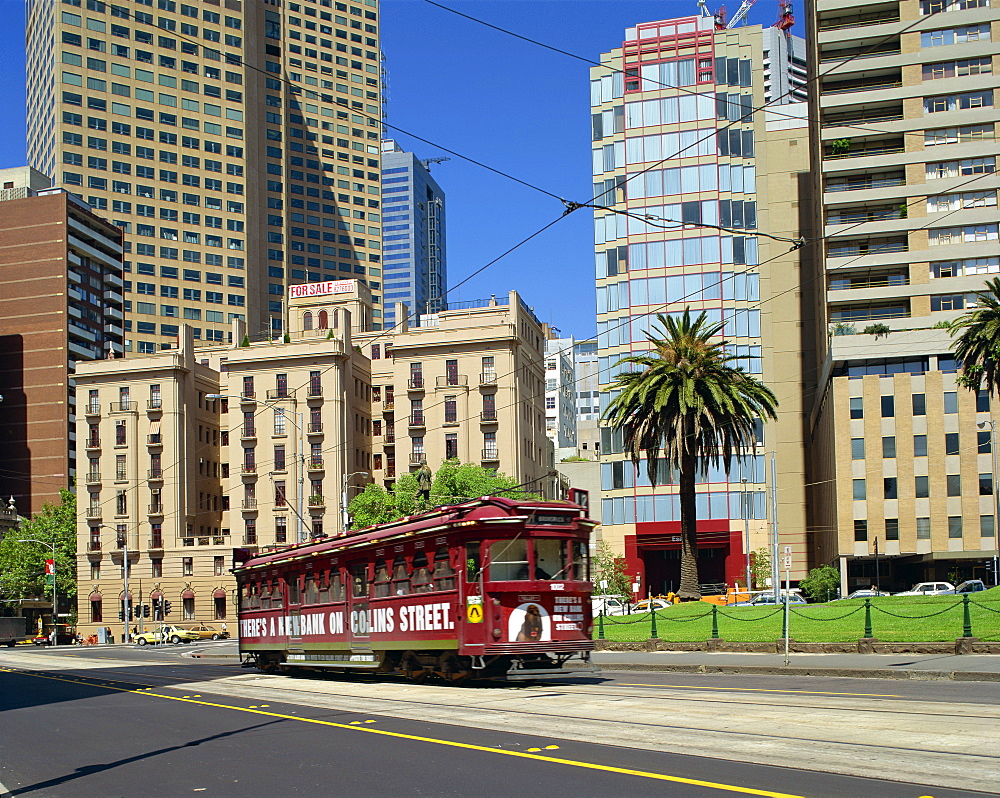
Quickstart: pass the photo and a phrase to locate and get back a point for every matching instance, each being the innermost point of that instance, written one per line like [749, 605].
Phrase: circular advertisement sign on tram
[529, 623]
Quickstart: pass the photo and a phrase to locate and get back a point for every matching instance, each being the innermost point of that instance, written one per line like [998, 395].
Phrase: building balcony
[154, 439]
[491, 455]
[155, 475]
[155, 509]
[250, 539]
[863, 182]
[125, 406]
[92, 444]
[390, 472]
[248, 398]
[416, 458]
[388, 406]
[315, 428]
[93, 514]
[880, 17]
[316, 501]
[155, 542]
[94, 545]
[314, 464]
[877, 213]
[488, 380]
[279, 393]
[415, 384]
[154, 405]
[248, 433]
[249, 505]
[389, 437]
[417, 420]
[315, 392]
[249, 470]
[488, 417]
[93, 478]
[453, 381]
[92, 409]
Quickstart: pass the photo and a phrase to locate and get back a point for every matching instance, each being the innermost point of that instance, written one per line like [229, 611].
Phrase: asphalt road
[113, 722]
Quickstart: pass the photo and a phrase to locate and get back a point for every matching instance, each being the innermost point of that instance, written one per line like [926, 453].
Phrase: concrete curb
[791, 670]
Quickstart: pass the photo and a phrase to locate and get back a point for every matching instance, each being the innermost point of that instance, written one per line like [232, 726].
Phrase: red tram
[491, 588]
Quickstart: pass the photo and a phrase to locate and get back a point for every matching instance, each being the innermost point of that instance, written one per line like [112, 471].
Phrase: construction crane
[719, 17]
[741, 13]
[427, 163]
[785, 17]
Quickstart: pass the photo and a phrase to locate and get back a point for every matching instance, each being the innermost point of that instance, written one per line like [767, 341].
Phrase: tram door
[358, 615]
[476, 609]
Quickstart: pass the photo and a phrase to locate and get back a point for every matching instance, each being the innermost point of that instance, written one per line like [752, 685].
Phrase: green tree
[611, 569]
[760, 567]
[22, 565]
[454, 482]
[821, 583]
[687, 400]
[977, 341]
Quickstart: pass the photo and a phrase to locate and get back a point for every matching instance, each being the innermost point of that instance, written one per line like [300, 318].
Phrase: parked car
[658, 604]
[769, 600]
[173, 634]
[929, 589]
[611, 605]
[206, 632]
[63, 639]
[860, 594]
[968, 586]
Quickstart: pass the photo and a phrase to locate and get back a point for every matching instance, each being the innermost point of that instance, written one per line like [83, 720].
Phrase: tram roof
[437, 520]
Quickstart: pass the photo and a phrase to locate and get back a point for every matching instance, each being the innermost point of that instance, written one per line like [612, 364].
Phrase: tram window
[294, 590]
[508, 560]
[359, 579]
[382, 584]
[550, 559]
[400, 577]
[311, 591]
[444, 574]
[253, 596]
[276, 598]
[472, 563]
[581, 561]
[264, 602]
[421, 580]
[337, 591]
[324, 588]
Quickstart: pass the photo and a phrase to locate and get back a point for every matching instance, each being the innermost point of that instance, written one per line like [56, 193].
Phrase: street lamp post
[126, 604]
[300, 456]
[996, 496]
[55, 628]
[746, 534]
[344, 519]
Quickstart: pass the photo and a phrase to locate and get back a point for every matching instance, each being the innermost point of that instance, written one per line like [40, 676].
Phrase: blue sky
[512, 105]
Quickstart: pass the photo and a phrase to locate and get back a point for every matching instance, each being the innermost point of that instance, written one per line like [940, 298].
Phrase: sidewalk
[966, 667]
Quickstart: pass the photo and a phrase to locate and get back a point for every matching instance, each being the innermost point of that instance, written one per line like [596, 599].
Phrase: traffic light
[166, 607]
[145, 610]
[121, 615]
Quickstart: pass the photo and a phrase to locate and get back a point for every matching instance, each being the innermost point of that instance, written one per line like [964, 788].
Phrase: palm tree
[977, 341]
[687, 400]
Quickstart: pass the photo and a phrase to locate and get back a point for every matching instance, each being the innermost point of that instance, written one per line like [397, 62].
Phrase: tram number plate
[474, 609]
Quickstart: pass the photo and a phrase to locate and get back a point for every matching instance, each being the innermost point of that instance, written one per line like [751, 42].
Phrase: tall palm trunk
[689, 529]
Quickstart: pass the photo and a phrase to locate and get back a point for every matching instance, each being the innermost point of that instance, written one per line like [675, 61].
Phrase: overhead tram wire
[613, 70]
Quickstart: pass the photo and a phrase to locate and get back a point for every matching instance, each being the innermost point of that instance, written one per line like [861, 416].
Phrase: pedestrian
[425, 479]
[224, 627]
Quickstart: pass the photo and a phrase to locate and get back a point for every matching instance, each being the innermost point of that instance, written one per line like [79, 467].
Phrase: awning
[95, 596]
[219, 593]
[156, 595]
[187, 594]
[121, 595]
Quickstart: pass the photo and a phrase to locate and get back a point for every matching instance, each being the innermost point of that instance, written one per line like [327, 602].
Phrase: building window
[923, 528]
[892, 529]
[156, 567]
[187, 605]
[279, 421]
[96, 610]
[219, 565]
[279, 457]
[450, 409]
[888, 406]
[984, 442]
[220, 608]
[985, 484]
[857, 406]
[187, 566]
[451, 446]
[280, 529]
[987, 526]
[919, 404]
[921, 487]
[860, 530]
[889, 446]
[860, 492]
[951, 443]
[950, 402]
[919, 445]
[954, 483]
[857, 448]
[890, 487]
[954, 526]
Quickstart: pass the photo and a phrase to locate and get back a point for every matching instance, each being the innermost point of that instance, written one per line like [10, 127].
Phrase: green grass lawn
[925, 619]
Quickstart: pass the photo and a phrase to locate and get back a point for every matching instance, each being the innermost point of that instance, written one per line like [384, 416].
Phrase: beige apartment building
[678, 147]
[236, 144]
[904, 126]
[195, 451]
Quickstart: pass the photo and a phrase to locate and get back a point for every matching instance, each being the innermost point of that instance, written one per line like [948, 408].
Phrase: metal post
[967, 619]
[775, 578]
[868, 618]
[302, 468]
[128, 605]
[653, 633]
[996, 505]
[600, 624]
[715, 621]
[878, 584]
[746, 534]
[788, 603]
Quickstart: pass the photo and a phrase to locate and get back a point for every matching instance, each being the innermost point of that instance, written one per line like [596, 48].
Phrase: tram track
[830, 734]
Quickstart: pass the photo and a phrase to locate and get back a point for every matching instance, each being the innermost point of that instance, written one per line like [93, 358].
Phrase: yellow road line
[755, 690]
[450, 743]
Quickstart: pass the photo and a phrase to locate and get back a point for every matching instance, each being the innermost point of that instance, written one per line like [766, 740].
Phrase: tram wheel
[452, 668]
[412, 668]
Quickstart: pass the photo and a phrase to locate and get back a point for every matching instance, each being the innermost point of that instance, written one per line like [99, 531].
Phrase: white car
[610, 605]
[929, 589]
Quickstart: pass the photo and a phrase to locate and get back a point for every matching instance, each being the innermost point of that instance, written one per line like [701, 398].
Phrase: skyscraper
[678, 146]
[235, 144]
[904, 140]
[416, 271]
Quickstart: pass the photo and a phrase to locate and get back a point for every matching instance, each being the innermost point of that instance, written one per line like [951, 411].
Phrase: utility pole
[775, 578]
